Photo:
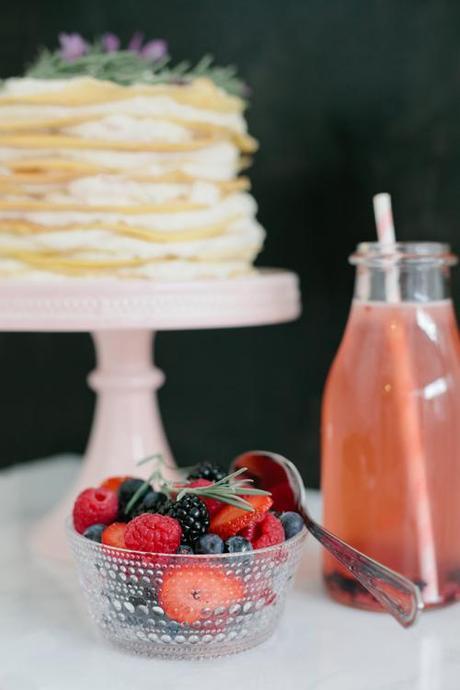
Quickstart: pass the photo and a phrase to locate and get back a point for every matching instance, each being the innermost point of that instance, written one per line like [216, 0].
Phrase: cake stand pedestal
[123, 318]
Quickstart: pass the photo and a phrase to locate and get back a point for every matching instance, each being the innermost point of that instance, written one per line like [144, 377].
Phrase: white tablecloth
[47, 641]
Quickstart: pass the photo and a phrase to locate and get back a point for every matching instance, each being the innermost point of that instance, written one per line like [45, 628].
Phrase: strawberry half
[231, 520]
[211, 504]
[114, 535]
[187, 592]
[113, 483]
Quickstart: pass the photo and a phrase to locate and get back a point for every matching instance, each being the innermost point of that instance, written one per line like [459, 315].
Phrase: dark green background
[350, 97]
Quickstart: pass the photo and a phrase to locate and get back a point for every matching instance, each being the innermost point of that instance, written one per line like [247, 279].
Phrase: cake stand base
[123, 318]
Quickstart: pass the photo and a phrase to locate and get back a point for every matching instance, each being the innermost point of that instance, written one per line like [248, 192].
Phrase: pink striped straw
[387, 238]
[384, 219]
[408, 418]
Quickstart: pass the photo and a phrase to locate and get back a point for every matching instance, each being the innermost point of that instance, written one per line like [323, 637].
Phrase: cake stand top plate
[265, 296]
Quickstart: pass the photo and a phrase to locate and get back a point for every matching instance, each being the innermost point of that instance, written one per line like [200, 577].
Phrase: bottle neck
[414, 283]
[402, 272]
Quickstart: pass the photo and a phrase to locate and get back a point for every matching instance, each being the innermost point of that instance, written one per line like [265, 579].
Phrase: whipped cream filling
[24, 86]
[219, 161]
[111, 189]
[126, 128]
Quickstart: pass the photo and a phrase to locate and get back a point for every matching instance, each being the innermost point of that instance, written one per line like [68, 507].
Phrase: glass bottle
[390, 432]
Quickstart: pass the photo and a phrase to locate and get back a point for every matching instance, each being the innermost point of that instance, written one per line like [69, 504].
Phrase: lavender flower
[151, 51]
[110, 43]
[73, 46]
[135, 44]
[155, 50]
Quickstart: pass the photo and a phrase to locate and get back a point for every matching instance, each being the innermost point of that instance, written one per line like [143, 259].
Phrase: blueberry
[237, 545]
[184, 549]
[126, 491]
[94, 532]
[152, 502]
[293, 524]
[209, 544]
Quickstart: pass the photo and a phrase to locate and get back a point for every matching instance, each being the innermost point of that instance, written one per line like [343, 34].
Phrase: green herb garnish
[129, 66]
[229, 490]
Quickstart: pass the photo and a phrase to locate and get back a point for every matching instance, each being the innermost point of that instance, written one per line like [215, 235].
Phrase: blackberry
[206, 470]
[151, 503]
[125, 493]
[193, 517]
[165, 507]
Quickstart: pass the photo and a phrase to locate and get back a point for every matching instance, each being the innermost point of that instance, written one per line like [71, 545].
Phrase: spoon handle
[394, 592]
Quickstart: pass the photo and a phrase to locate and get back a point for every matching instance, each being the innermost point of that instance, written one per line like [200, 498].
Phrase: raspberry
[114, 535]
[211, 503]
[248, 532]
[94, 505]
[268, 532]
[153, 533]
[231, 520]
[187, 592]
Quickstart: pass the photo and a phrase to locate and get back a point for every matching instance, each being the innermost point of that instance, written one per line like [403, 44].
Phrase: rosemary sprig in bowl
[230, 489]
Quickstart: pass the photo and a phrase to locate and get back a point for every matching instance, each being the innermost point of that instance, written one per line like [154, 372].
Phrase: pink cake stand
[123, 318]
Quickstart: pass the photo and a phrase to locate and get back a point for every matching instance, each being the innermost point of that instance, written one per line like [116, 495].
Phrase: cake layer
[171, 270]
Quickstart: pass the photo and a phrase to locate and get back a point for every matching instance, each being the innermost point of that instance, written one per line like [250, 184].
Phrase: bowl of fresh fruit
[198, 567]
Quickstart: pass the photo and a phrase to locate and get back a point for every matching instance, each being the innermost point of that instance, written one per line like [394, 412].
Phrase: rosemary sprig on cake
[138, 63]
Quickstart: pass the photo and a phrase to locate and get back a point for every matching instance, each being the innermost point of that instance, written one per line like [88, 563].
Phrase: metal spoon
[398, 595]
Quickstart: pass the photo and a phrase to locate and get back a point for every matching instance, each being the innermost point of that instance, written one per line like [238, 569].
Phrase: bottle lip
[377, 254]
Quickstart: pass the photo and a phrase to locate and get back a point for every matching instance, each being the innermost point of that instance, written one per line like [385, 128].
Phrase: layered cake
[113, 163]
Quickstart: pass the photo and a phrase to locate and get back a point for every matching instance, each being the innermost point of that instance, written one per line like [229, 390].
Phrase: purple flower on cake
[110, 42]
[155, 50]
[73, 46]
[135, 44]
[151, 51]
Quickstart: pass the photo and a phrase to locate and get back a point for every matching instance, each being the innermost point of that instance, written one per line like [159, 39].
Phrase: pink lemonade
[391, 446]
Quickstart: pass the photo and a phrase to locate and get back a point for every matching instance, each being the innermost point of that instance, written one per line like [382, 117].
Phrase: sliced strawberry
[113, 483]
[211, 504]
[268, 532]
[187, 592]
[114, 535]
[231, 520]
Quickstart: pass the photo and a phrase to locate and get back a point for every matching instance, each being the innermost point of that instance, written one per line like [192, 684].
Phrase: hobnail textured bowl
[124, 591]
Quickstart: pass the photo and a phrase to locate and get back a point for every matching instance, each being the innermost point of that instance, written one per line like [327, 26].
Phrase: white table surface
[47, 641]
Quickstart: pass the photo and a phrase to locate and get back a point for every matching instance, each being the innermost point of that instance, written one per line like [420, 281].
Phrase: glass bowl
[185, 606]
